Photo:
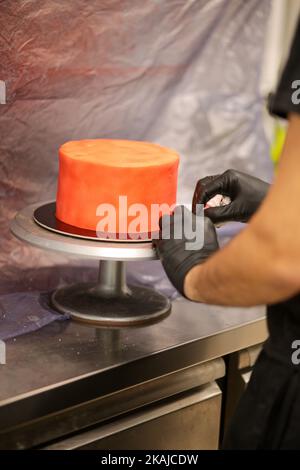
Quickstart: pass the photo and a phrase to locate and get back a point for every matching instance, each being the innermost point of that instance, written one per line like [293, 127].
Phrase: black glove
[245, 191]
[177, 258]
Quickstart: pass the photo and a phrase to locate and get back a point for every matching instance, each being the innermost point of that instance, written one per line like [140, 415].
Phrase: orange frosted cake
[94, 174]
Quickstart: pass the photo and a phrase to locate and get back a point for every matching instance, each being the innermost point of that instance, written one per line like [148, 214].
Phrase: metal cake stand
[110, 301]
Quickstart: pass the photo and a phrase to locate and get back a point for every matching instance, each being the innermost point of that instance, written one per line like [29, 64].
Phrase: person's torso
[284, 330]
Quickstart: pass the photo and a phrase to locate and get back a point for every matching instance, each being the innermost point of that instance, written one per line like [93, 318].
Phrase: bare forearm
[244, 273]
[262, 264]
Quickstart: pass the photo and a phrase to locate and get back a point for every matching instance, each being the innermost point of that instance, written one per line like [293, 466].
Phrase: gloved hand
[175, 254]
[245, 191]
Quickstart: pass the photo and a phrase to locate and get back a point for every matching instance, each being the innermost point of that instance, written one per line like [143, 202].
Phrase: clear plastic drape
[183, 73]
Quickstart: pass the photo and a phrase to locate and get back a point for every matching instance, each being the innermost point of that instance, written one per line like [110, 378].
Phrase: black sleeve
[287, 97]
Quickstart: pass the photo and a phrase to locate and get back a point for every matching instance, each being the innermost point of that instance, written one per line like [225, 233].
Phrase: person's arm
[261, 264]
[244, 192]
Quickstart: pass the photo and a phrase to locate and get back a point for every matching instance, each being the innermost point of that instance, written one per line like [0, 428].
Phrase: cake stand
[109, 301]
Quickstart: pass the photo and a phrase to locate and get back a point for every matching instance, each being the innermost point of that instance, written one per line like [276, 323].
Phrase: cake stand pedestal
[109, 301]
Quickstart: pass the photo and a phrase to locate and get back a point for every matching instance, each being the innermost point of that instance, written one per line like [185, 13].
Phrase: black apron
[268, 414]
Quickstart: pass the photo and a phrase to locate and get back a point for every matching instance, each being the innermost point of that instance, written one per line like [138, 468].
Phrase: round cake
[115, 186]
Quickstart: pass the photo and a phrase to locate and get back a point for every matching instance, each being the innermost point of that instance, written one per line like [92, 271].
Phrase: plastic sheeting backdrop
[178, 72]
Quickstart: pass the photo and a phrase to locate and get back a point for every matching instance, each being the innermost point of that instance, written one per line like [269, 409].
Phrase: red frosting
[95, 172]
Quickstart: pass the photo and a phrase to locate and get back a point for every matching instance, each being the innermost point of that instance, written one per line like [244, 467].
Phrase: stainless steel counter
[66, 364]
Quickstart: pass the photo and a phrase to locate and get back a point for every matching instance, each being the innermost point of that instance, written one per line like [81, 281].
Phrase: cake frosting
[95, 175]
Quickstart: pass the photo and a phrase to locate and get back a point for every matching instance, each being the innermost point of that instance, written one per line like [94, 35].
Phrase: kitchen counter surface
[66, 364]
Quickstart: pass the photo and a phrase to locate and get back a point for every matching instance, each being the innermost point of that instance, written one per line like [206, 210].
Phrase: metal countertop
[65, 364]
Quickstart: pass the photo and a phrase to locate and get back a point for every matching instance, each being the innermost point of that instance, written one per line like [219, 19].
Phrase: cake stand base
[111, 302]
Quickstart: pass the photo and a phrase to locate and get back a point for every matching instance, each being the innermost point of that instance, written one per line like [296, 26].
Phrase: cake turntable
[110, 301]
